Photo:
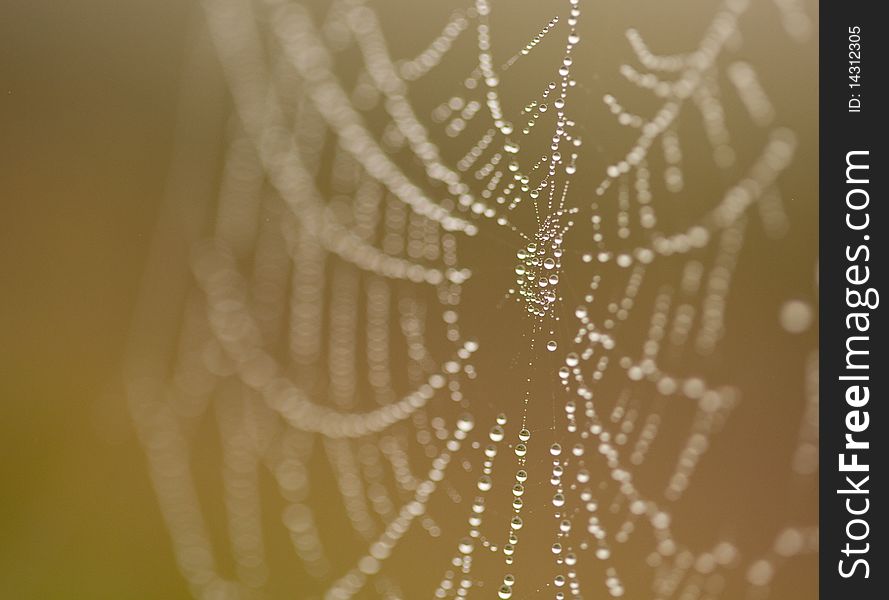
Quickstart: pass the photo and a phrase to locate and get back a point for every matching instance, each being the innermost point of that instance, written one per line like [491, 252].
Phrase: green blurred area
[88, 92]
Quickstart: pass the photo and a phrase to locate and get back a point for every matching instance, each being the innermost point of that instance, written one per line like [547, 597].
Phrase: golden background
[95, 95]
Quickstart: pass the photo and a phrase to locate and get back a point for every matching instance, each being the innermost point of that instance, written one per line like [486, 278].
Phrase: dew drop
[796, 316]
[465, 546]
[465, 423]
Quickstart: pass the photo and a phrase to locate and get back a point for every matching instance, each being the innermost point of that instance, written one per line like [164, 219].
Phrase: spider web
[449, 324]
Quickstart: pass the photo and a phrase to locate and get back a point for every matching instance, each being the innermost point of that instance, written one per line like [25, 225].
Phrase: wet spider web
[460, 323]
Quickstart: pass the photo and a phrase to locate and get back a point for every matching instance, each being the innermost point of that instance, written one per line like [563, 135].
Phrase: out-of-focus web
[329, 322]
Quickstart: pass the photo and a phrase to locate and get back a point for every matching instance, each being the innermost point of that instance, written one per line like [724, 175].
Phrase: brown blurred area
[88, 94]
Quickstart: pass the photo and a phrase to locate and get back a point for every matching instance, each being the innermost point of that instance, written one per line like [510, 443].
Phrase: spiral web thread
[326, 326]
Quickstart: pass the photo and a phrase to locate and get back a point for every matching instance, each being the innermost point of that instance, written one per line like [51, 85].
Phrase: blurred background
[107, 107]
[89, 97]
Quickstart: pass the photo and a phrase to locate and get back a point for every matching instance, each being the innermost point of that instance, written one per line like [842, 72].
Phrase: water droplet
[465, 423]
[796, 316]
[465, 546]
